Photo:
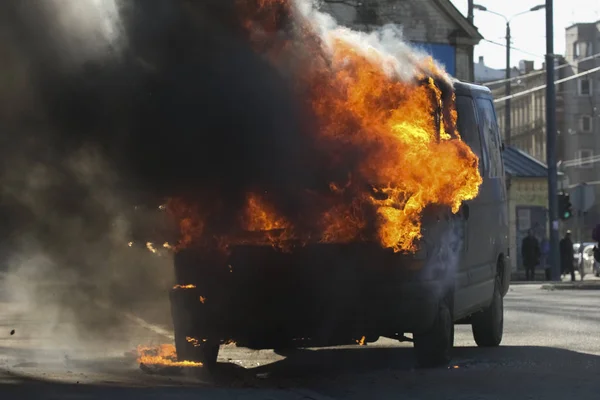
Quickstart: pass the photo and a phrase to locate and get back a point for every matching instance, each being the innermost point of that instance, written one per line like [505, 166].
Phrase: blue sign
[443, 53]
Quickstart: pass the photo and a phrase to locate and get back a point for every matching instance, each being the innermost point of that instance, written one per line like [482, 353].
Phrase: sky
[528, 31]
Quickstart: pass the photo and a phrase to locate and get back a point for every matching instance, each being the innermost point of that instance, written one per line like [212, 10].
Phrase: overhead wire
[576, 162]
[540, 72]
[514, 48]
[540, 87]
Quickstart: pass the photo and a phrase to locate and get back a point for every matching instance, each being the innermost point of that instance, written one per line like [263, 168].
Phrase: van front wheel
[488, 324]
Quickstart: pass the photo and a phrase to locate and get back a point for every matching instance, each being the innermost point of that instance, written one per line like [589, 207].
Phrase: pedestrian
[581, 260]
[596, 267]
[567, 256]
[530, 251]
[545, 247]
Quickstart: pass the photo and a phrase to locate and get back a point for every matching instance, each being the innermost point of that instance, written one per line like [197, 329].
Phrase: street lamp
[507, 133]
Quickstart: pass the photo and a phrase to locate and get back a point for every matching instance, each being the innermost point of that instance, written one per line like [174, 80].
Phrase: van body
[337, 294]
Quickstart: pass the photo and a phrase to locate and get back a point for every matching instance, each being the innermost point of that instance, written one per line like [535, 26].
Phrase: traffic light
[564, 206]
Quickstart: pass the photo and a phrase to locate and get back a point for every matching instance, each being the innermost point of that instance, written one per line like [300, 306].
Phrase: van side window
[467, 127]
[489, 125]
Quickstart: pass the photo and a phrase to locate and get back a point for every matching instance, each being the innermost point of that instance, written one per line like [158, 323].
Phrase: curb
[572, 286]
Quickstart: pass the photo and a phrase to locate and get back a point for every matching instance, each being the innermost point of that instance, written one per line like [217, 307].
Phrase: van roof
[465, 88]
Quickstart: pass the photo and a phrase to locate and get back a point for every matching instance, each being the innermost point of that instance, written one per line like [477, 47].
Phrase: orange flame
[412, 156]
[151, 247]
[184, 287]
[259, 217]
[191, 223]
[163, 355]
[195, 342]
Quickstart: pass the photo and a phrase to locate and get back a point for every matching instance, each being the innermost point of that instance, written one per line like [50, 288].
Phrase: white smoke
[65, 263]
[385, 44]
[58, 261]
[444, 244]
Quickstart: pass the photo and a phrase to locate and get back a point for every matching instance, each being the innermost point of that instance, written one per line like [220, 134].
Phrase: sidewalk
[540, 277]
[590, 282]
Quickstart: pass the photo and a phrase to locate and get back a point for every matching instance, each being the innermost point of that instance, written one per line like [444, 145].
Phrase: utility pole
[551, 143]
[507, 88]
[470, 11]
[471, 18]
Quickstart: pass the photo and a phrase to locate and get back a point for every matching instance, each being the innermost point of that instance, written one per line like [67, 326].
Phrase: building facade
[528, 111]
[435, 26]
[579, 141]
[527, 189]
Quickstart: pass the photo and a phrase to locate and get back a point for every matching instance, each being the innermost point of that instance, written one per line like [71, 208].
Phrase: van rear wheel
[205, 353]
[488, 324]
[433, 348]
[189, 346]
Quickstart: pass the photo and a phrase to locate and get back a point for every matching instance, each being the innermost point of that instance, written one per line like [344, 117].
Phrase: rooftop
[578, 24]
[518, 163]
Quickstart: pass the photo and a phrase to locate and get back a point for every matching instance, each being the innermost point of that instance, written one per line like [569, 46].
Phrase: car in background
[583, 258]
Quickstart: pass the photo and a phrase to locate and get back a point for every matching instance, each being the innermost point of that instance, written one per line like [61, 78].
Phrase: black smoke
[180, 105]
[188, 108]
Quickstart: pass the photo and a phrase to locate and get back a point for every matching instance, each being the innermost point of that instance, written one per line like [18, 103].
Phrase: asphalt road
[551, 350]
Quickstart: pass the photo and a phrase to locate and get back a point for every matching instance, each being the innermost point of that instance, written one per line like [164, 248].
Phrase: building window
[582, 49]
[585, 123]
[487, 119]
[584, 158]
[585, 87]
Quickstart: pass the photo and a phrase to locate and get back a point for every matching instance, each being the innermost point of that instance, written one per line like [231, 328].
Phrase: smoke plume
[110, 104]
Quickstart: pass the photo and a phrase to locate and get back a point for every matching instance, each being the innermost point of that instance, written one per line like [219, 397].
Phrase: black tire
[488, 324]
[434, 348]
[184, 326]
[597, 274]
[204, 352]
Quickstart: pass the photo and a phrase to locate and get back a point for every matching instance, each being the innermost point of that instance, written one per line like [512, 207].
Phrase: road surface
[551, 350]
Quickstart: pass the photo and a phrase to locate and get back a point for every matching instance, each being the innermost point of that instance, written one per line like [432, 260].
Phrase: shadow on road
[343, 373]
[332, 362]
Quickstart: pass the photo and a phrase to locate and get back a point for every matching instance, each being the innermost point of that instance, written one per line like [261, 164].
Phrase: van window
[489, 125]
[467, 127]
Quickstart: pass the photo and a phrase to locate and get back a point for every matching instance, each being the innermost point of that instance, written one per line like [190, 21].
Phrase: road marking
[139, 321]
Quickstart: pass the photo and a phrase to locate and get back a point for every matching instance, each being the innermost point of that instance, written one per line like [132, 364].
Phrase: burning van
[271, 288]
[328, 186]
[376, 207]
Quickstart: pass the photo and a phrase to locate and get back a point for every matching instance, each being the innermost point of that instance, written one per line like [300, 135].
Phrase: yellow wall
[523, 192]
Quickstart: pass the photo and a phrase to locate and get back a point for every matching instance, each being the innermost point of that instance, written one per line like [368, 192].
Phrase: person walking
[566, 256]
[581, 260]
[530, 251]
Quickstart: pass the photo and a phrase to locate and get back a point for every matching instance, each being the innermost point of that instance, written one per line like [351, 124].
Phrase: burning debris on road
[162, 356]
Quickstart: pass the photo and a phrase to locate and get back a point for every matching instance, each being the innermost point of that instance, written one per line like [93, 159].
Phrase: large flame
[393, 139]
